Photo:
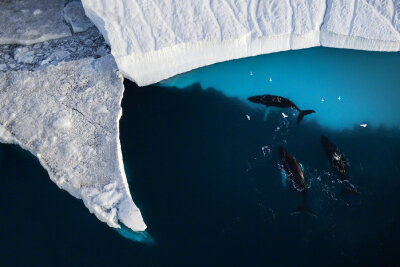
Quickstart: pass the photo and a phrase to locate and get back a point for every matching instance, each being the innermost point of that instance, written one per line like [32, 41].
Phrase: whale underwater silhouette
[295, 173]
[280, 102]
[339, 163]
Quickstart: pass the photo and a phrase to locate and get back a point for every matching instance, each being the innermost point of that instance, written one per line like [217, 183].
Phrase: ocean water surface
[203, 167]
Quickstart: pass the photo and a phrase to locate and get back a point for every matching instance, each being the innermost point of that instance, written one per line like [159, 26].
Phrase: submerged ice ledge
[154, 40]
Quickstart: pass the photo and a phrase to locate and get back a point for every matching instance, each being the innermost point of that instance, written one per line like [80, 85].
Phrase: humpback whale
[295, 173]
[280, 102]
[338, 162]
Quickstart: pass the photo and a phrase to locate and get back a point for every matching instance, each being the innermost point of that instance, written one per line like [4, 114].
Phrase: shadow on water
[209, 186]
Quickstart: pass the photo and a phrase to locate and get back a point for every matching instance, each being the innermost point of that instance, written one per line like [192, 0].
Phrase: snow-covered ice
[362, 24]
[28, 22]
[154, 40]
[50, 113]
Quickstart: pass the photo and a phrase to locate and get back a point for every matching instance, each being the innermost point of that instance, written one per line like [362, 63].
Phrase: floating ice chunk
[364, 125]
[284, 115]
[339, 98]
[248, 117]
[270, 79]
[24, 55]
[322, 100]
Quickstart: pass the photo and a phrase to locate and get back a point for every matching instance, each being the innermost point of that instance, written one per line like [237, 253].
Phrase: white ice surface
[154, 40]
[362, 24]
[31, 21]
[67, 115]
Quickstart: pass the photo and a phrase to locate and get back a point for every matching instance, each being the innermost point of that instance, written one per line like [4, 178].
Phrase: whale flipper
[266, 113]
[303, 113]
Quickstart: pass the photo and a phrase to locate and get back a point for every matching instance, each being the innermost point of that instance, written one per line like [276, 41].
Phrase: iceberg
[67, 116]
[155, 40]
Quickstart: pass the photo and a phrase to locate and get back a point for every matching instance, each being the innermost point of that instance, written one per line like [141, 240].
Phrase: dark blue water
[209, 186]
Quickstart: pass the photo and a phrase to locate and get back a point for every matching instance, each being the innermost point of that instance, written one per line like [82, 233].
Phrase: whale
[280, 102]
[294, 172]
[339, 163]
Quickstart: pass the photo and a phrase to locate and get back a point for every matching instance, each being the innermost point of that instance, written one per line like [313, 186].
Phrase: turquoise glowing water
[368, 83]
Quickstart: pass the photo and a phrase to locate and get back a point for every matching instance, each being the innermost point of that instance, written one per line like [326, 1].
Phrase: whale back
[336, 157]
[293, 170]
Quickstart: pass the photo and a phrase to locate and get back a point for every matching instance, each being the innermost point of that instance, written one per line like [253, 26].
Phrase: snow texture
[75, 16]
[28, 22]
[157, 39]
[67, 115]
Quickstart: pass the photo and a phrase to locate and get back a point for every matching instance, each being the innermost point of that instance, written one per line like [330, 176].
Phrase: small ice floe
[251, 73]
[248, 117]
[339, 98]
[322, 100]
[270, 79]
[364, 125]
[284, 115]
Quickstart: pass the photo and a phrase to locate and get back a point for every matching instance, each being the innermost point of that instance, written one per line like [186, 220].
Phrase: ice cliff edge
[154, 40]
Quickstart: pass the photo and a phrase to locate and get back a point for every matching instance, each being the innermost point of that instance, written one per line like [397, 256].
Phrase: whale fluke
[303, 113]
[304, 209]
